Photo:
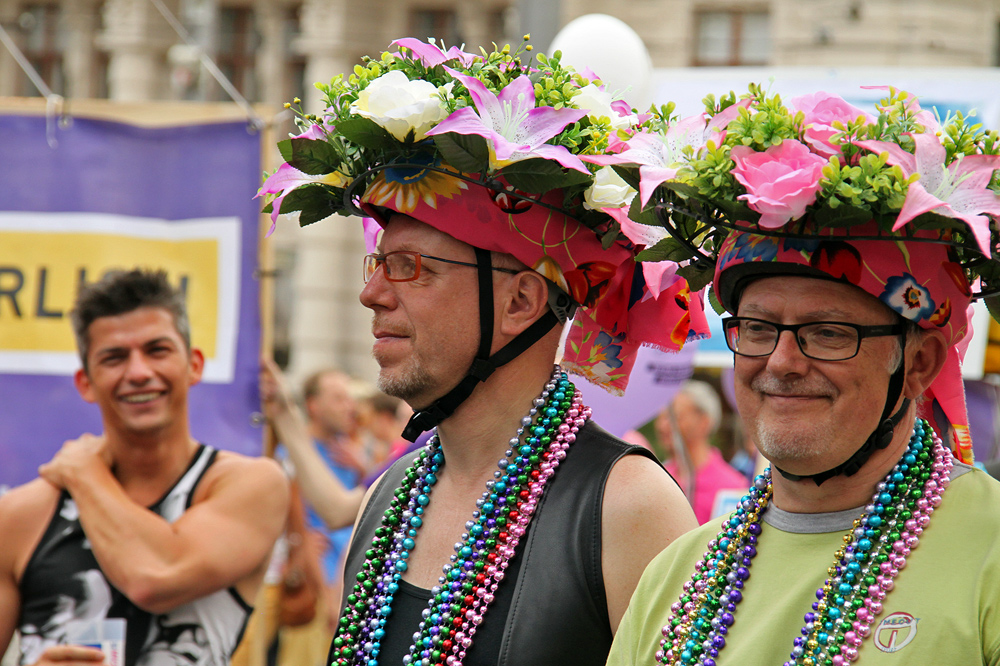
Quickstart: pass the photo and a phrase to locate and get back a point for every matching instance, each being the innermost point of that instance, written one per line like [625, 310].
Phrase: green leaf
[611, 235]
[714, 302]
[466, 152]
[993, 305]
[736, 210]
[932, 220]
[683, 189]
[668, 249]
[285, 148]
[315, 158]
[367, 133]
[841, 216]
[629, 174]
[697, 275]
[318, 208]
[644, 214]
[301, 198]
[538, 176]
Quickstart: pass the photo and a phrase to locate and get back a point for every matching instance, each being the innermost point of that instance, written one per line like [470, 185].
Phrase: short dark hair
[120, 292]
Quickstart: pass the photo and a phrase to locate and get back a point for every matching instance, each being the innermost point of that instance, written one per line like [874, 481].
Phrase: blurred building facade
[272, 51]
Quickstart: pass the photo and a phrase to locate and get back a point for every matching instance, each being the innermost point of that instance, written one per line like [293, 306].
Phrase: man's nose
[787, 357]
[138, 370]
[378, 291]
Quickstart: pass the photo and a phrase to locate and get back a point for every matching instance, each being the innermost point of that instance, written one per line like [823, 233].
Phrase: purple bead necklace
[470, 581]
[874, 551]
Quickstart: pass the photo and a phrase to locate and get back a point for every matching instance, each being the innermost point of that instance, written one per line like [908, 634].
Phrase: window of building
[732, 37]
[43, 43]
[238, 40]
[441, 24]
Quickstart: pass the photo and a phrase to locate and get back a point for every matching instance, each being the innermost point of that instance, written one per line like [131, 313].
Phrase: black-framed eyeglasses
[404, 265]
[820, 340]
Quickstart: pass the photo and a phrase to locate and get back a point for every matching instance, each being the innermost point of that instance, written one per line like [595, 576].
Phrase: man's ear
[525, 299]
[926, 357]
[82, 382]
[197, 365]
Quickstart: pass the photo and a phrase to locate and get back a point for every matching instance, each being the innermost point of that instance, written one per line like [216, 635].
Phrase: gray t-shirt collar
[836, 521]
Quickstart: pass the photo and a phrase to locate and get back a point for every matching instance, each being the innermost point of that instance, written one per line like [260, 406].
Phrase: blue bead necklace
[470, 579]
[874, 551]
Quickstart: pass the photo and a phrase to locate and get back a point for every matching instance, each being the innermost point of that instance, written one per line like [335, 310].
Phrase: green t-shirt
[944, 610]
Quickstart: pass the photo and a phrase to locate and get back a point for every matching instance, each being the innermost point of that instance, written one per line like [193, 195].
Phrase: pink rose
[822, 110]
[780, 182]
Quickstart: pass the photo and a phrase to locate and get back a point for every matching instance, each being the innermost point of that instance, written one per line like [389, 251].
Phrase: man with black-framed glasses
[845, 365]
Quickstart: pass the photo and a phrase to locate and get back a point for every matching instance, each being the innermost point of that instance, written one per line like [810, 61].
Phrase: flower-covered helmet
[894, 202]
[504, 156]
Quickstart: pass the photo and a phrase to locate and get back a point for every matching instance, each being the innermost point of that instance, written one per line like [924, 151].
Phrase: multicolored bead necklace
[470, 581]
[874, 551]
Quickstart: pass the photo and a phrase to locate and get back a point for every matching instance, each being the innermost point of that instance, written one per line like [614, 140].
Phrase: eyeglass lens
[823, 341]
[399, 266]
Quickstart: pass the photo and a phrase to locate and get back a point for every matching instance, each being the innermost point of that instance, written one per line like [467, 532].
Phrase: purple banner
[105, 195]
[655, 378]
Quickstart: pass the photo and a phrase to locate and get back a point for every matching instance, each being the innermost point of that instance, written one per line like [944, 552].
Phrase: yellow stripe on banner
[41, 272]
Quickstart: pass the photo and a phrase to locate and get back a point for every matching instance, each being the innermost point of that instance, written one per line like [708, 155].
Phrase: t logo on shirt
[895, 632]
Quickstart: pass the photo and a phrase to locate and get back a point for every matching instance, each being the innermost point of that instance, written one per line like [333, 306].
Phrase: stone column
[329, 326]
[321, 40]
[269, 18]
[81, 23]
[136, 38]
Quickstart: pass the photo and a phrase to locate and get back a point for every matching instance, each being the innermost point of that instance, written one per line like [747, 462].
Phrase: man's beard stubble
[784, 443]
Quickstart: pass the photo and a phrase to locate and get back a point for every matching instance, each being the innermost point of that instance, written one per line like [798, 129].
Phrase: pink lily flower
[660, 158]
[286, 179]
[957, 190]
[515, 129]
[315, 132]
[432, 55]
[371, 230]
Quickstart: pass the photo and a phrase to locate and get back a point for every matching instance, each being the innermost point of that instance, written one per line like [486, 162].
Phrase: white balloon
[614, 52]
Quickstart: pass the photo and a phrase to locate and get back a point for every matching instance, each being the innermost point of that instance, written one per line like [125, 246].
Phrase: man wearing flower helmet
[848, 280]
[486, 248]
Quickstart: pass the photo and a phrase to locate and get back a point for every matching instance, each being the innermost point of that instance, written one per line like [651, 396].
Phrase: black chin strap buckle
[482, 368]
[423, 421]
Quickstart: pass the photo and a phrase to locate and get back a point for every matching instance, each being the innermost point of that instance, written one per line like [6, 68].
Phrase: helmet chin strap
[483, 365]
[878, 440]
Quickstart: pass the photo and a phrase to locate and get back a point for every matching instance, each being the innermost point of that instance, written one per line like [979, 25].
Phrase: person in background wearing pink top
[686, 425]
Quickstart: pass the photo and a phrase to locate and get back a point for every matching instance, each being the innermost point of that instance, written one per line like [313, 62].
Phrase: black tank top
[551, 607]
[63, 588]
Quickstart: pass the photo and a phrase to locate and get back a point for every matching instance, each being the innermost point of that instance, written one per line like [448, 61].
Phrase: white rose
[608, 191]
[400, 105]
[597, 104]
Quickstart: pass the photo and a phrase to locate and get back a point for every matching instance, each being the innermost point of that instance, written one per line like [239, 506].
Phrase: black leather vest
[557, 611]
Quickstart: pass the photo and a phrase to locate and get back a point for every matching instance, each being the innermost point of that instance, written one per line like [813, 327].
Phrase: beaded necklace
[862, 574]
[468, 586]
